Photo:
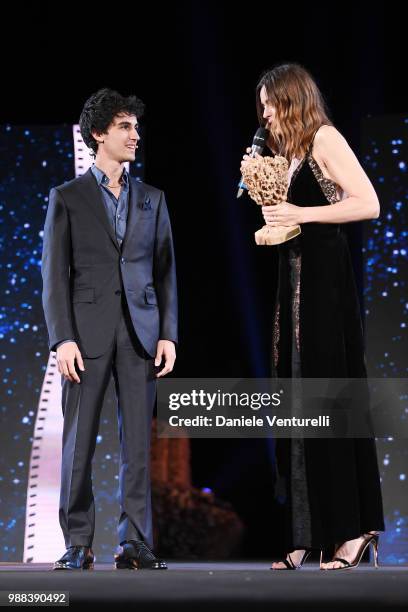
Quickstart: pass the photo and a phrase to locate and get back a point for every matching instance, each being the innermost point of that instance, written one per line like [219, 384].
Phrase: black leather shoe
[76, 558]
[137, 555]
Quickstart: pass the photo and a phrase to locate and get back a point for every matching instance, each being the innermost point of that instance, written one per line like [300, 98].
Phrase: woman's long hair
[300, 109]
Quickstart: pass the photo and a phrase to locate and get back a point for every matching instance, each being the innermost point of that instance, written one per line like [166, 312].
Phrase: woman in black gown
[331, 487]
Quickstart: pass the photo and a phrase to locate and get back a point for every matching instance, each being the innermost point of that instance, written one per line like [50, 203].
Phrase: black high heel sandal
[291, 566]
[369, 539]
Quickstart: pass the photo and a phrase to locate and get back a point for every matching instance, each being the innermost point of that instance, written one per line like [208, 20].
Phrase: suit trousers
[133, 372]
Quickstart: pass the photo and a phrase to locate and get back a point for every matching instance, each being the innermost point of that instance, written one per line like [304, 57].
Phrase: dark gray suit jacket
[84, 270]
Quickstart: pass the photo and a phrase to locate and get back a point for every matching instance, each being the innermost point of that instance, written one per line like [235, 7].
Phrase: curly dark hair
[99, 111]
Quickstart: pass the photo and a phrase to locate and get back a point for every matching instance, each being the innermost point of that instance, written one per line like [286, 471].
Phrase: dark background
[196, 65]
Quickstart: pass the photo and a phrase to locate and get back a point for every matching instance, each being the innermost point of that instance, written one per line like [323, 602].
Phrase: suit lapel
[92, 194]
[136, 200]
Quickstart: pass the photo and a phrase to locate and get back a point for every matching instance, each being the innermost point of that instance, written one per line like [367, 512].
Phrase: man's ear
[97, 136]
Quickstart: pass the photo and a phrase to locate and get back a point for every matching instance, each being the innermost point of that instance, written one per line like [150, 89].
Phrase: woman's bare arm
[344, 168]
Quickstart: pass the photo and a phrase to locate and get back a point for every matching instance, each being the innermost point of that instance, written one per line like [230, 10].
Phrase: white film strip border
[43, 539]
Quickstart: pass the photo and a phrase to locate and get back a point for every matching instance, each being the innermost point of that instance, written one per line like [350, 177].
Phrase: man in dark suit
[110, 304]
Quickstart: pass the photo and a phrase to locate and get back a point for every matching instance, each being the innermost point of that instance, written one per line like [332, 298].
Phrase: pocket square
[146, 205]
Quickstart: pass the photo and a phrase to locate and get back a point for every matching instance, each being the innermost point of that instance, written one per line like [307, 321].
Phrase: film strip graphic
[43, 539]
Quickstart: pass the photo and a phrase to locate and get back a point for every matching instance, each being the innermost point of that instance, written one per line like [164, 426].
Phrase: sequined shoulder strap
[309, 150]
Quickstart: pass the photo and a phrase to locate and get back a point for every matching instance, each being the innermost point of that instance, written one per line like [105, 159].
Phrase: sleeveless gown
[330, 488]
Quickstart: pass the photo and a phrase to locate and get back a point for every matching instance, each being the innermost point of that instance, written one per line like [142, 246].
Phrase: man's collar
[102, 179]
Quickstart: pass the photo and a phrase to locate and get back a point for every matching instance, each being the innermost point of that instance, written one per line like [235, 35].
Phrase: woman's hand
[282, 214]
[249, 159]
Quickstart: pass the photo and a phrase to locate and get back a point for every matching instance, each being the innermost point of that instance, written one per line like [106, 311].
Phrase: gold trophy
[266, 179]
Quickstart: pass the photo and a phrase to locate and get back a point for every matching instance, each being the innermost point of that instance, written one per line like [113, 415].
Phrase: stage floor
[234, 585]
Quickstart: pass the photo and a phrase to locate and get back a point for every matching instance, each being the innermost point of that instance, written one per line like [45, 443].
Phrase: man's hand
[66, 355]
[166, 349]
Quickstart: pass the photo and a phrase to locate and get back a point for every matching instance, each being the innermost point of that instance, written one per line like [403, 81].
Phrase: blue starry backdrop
[385, 144]
[40, 157]
[34, 159]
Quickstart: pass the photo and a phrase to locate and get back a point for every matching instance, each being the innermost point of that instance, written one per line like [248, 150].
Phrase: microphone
[258, 145]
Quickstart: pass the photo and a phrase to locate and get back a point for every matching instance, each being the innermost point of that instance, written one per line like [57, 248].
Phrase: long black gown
[330, 488]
